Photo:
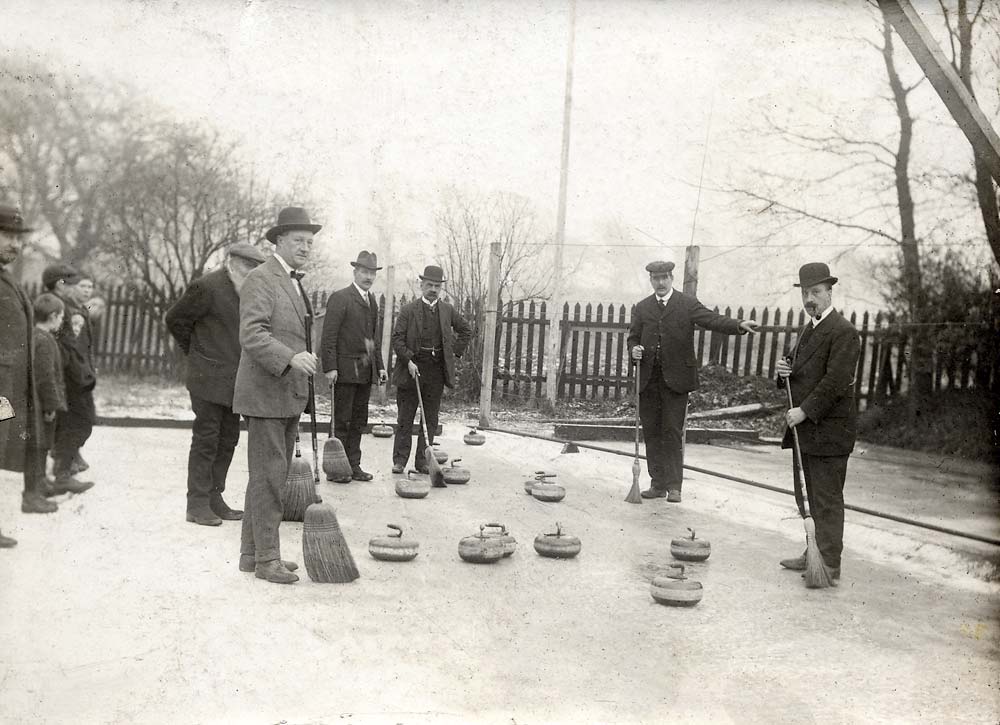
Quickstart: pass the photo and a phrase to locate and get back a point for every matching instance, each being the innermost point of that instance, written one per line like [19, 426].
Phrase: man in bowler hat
[351, 355]
[820, 373]
[272, 386]
[661, 338]
[205, 322]
[428, 336]
[21, 427]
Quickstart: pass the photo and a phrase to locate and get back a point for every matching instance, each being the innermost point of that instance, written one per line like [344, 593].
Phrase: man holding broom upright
[272, 386]
[661, 338]
[820, 374]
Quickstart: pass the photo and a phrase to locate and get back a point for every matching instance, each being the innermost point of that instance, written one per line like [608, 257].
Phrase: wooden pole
[555, 333]
[691, 255]
[489, 338]
[390, 275]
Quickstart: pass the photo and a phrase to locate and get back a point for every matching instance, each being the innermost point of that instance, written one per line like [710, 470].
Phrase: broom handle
[312, 402]
[797, 468]
[636, 408]
[420, 399]
[331, 409]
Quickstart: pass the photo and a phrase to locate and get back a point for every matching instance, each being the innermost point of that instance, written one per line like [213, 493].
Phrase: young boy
[50, 383]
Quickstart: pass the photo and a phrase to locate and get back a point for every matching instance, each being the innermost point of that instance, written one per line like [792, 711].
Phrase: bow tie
[297, 276]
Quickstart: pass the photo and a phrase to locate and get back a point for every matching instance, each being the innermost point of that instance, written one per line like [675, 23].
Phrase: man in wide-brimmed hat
[820, 373]
[205, 322]
[427, 337]
[661, 338]
[351, 355]
[20, 433]
[272, 386]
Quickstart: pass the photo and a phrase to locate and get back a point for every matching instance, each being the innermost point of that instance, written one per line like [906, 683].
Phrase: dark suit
[75, 424]
[350, 346]
[667, 373]
[822, 381]
[205, 322]
[271, 395]
[434, 352]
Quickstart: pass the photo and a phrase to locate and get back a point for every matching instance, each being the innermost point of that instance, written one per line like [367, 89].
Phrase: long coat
[49, 379]
[77, 350]
[205, 322]
[822, 383]
[455, 336]
[272, 331]
[671, 328]
[19, 434]
[349, 322]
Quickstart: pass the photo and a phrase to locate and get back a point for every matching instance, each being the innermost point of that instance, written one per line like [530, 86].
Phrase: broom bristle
[817, 576]
[299, 490]
[335, 463]
[634, 495]
[437, 475]
[325, 552]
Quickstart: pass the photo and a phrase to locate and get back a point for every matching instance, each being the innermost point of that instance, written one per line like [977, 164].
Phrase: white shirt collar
[826, 313]
[432, 305]
[363, 293]
[665, 298]
[284, 264]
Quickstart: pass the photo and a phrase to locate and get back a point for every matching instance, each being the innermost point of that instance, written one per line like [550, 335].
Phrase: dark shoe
[78, 463]
[221, 509]
[796, 564]
[674, 496]
[35, 503]
[358, 475]
[67, 484]
[248, 563]
[274, 571]
[48, 487]
[340, 479]
[398, 467]
[6, 542]
[653, 493]
[203, 517]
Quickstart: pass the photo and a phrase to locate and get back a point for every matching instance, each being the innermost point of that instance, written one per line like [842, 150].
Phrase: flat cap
[248, 252]
[660, 267]
[55, 272]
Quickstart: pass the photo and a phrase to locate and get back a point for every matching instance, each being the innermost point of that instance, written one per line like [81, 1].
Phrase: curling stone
[690, 549]
[381, 430]
[500, 531]
[676, 590]
[557, 545]
[474, 437]
[545, 491]
[456, 475]
[538, 477]
[393, 547]
[481, 548]
[439, 455]
[412, 487]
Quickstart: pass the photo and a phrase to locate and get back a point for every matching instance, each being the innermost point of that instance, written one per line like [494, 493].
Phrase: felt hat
[368, 260]
[814, 273]
[433, 273]
[12, 221]
[248, 252]
[660, 267]
[55, 272]
[290, 219]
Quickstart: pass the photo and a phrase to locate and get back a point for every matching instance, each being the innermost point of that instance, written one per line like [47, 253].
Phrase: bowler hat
[12, 221]
[248, 252]
[814, 273]
[433, 273]
[290, 219]
[660, 267]
[368, 260]
[55, 272]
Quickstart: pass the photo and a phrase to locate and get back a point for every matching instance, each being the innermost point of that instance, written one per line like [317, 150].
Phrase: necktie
[297, 276]
[662, 302]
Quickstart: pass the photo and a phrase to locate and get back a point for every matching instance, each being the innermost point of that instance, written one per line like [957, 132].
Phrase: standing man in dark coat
[205, 322]
[821, 375]
[272, 386]
[427, 337]
[661, 338]
[351, 355]
[20, 435]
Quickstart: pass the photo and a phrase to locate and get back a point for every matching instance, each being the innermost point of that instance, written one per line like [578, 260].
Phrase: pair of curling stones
[491, 544]
[410, 487]
[676, 590]
[544, 490]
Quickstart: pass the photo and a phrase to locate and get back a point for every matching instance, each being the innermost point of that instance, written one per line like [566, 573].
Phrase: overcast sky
[402, 100]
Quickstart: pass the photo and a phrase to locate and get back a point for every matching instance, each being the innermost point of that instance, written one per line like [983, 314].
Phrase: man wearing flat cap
[21, 423]
[351, 355]
[205, 322]
[820, 374]
[427, 337]
[661, 338]
[272, 386]
[74, 425]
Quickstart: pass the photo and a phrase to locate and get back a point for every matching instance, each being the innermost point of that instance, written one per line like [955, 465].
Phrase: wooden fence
[132, 338]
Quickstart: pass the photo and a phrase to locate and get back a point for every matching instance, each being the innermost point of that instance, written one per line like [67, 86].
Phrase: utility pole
[390, 274]
[555, 315]
[692, 253]
[489, 338]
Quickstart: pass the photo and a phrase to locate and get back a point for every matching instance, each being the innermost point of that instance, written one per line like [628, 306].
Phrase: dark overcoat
[671, 328]
[822, 383]
[49, 379]
[77, 350]
[17, 383]
[455, 336]
[205, 322]
[349, 322]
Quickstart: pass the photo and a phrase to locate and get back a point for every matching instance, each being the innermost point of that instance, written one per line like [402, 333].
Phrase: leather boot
[203, 516]
[221, 509]
[274, 572]
[67, 484]
[248, 563]
[35, 503]
[6, 542]
[796, 564]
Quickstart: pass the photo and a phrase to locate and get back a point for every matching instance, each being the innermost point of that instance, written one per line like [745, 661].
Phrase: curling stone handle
[412, 471]
[397, 529]
[503, 529]
[542, 476]
[692, 533]
[454, 461]
[680, 575]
